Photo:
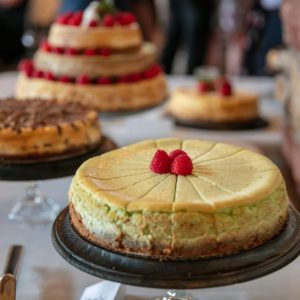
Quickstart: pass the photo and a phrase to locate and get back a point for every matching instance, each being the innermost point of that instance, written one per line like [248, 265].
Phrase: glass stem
[33, 192]
[175, 295]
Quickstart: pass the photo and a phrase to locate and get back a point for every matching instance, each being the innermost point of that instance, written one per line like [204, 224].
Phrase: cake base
[202, 273]
[257, 123]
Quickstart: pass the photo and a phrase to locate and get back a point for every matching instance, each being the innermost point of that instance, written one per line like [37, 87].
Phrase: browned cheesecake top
[39, 113]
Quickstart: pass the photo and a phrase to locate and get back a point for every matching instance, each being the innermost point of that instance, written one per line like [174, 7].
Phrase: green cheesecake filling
[176, 229]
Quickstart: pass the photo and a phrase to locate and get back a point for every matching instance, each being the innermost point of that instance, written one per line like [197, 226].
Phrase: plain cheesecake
[228, 200]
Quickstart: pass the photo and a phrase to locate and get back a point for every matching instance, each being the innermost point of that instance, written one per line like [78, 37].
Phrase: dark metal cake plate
[258, 123]
[202, 273]
[52, 168]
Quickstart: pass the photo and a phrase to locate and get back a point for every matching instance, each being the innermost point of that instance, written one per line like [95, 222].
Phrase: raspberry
[46, 47]
[26, 65]
[38, 74]
[225, 89]
[182, 165]
[49, 76]
[125, 79]
[63, 19]
[64, 79]
[29, 73]
[93, 23]
[58, 50]
[218, 83]
[161, 162]
[176, 153]
[71, 51]
[90, 52]
[76, 19]
[105, 52]
[109, 21]
[126, 18]
[104, 80]
[204, 86]
[152, 72]
[135, 77]
[82, 79]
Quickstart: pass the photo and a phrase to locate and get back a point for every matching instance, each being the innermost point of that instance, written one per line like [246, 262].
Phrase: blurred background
[230, 34]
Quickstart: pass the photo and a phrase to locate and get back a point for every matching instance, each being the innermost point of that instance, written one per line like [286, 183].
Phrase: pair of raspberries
[177, 162]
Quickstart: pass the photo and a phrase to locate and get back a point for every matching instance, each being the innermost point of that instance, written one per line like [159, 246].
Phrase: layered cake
[35, 130]
[96, 57]
[174, 199]
[213, 103]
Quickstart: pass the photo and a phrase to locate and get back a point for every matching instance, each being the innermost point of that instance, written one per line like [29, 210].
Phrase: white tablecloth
[45, 275]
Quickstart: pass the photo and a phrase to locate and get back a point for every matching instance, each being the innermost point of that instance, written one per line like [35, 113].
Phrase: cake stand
[258, 123]
[34, 208]
[178, 275]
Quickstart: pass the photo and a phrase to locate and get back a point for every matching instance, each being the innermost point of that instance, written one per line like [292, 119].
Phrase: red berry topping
[109, 21]
[49, 76]
[182, 165]
[126, 18]
[71, 51]
[58, 50]
[63, 19]
[82, 79]
[105, 52]
[26, 65]
[46, 46]
[64, 79]
[29, 73]
[225, 89]
[176, 153]
[38, 74]
[204, 86]
[161, 162]
[152, 72]
[93, 23]
[104, 80]
[135, 77]
[125, 79]
[90, 52]
[76, 19]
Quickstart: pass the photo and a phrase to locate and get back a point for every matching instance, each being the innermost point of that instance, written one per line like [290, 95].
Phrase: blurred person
[12, 16]
[189, 26]
[264, 32]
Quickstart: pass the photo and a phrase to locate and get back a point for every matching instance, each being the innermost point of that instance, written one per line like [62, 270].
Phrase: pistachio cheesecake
[34, 130]
[96, 57]
[213, 104]
[174, 199]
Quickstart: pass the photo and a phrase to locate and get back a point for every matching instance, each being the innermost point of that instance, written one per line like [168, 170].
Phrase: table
[45, 275]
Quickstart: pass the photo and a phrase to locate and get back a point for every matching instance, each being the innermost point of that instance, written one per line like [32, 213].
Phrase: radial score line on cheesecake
[136, 200]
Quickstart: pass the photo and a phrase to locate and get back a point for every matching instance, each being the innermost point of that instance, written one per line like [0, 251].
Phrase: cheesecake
[36, 130]
[178, 199]
[208, 104]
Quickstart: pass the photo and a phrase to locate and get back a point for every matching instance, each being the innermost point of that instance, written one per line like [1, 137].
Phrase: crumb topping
[39, 113]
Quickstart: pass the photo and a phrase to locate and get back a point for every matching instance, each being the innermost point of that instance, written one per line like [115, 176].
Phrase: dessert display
[34, 130]
[98, 58]
[213, 103]
[174, 199]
